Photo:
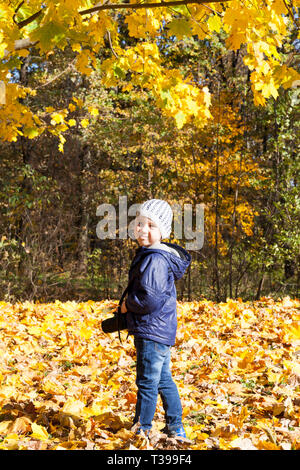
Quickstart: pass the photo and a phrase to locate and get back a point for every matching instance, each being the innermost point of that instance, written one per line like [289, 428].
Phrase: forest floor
[64, 384]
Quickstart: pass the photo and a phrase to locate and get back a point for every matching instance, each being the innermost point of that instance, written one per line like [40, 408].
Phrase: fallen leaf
[39, 432]
[242, 444]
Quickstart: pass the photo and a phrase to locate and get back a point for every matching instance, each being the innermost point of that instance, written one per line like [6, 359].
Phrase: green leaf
[179, 28]
[182, 9]
[165, 96]
[30, 132]
[119, 72]
[49, 34]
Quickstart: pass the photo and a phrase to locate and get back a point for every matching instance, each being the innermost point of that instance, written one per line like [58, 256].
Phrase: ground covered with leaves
[64, 384]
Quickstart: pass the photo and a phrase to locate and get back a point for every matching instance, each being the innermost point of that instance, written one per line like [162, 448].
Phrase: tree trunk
[216, 260]
[233, 230]
[83, 236]
[260, 286]
[26, 184]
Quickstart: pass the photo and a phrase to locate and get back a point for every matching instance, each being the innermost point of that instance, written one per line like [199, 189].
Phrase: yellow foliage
[39, 432]
[84, 122]
[262, 28]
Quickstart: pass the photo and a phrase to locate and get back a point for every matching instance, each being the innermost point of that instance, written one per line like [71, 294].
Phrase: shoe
[165, 430]
[179, 432]
[145, 431]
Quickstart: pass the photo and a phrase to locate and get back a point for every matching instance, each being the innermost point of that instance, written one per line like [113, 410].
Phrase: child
[152, 316]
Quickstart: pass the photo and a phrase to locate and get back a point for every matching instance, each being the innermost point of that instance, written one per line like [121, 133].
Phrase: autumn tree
[84, 26]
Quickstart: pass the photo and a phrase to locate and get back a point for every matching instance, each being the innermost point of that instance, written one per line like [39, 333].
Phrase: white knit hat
[160, 212]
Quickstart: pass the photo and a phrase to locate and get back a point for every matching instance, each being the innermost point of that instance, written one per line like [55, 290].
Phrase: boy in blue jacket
[151, 314]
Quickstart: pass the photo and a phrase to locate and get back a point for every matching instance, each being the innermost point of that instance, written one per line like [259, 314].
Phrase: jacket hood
[178, 264]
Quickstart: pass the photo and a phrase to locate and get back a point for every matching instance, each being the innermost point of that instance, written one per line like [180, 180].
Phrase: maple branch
[119, 6]
[214, 11]
[24, 44]
[110, 45]
[135, 6]
[16, 11]
[28, 20]
[291, 12]
[19, 45]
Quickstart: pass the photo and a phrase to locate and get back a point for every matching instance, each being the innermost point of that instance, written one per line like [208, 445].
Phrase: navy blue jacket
[151, 297]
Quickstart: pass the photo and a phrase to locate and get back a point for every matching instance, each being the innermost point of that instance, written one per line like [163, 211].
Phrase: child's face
[146, 231]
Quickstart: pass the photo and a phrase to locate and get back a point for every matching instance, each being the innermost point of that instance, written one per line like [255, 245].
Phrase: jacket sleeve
[150, 289]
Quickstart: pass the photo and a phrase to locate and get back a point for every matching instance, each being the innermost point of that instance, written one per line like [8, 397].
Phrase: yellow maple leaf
[72, 107]
[84, 122]
[57, 118]
[52, 387]
[267, 445]
[11, 442]
[93, 111]
[78, 101]
[34, 330]
[39, 432]
[73, 407]
[4, 427]
[239, 420]
[180, 119]
[76, 47]
[86, 333]
[214, 23]
[246, 359]
[293, 330]
[274, 377]
[269, 89]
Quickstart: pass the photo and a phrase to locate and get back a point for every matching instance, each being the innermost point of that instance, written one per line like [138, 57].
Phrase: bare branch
[111, 46]
[70, 66]
[290, 9]
[29, 20]
[16, 11]
[24, 44]
[21, 44]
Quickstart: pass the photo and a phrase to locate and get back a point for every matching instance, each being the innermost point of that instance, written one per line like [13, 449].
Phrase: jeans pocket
[162, 349]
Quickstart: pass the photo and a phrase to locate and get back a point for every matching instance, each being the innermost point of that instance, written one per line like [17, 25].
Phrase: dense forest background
[243, 166]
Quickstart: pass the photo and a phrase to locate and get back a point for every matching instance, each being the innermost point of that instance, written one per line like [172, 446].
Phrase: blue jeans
[153, 376]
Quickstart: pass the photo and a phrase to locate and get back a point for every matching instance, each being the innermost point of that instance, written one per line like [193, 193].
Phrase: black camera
[116, 323]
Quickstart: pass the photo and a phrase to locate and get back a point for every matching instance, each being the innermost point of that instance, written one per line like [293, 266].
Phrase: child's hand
[123, 307]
